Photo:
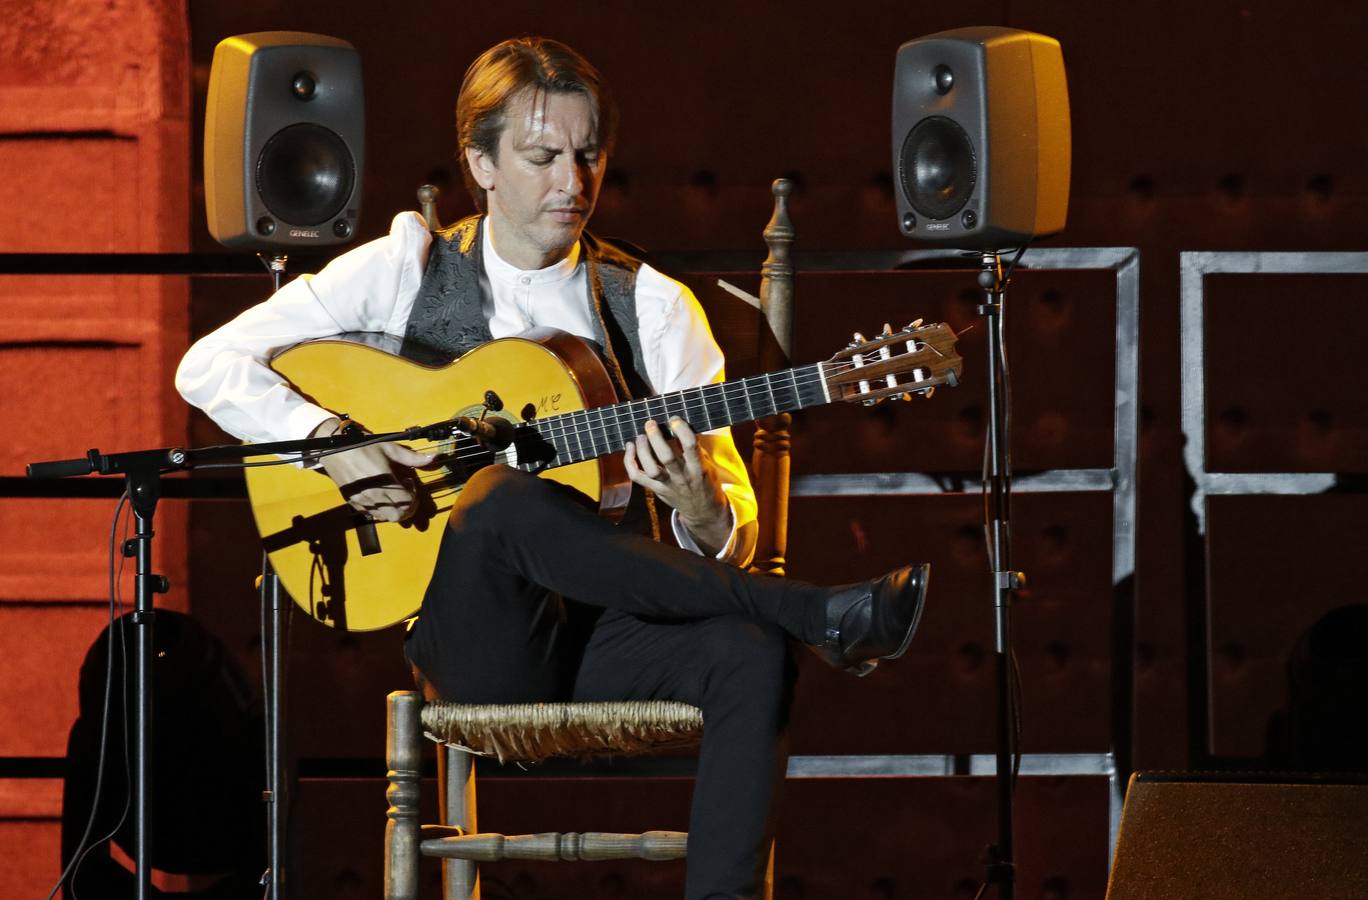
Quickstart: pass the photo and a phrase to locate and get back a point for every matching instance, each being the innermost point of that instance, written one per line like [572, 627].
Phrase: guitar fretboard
[591, 433]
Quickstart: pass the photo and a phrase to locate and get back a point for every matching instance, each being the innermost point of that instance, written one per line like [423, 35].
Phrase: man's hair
[502, 73]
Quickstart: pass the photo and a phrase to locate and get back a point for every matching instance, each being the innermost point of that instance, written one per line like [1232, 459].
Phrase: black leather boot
[873, 620]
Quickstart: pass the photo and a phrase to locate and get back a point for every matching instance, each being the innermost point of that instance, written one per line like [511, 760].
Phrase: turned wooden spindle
[770, 451]
[456, 782]
[403, 758]
[776, 278]
[427, 205]
[552, 846]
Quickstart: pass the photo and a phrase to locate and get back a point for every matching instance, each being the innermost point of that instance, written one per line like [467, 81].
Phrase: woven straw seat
[532, 732]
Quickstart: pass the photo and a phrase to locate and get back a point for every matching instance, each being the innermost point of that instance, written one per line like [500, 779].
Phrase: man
[601, 612]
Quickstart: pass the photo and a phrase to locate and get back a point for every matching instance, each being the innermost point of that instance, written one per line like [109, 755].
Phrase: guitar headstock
[895, 364]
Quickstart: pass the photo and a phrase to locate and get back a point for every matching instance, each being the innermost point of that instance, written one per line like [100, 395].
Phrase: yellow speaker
[284, 141]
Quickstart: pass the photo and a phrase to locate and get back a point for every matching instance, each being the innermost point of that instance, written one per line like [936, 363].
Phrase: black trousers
[650, 622]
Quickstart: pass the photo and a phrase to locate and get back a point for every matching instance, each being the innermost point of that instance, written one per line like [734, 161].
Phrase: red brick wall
[94, 157]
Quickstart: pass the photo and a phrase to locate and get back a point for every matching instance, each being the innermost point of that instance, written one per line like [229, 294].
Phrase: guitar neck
[591, 433]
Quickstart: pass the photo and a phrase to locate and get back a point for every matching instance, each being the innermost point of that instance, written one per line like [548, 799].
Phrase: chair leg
[456, 787]
[402, 758]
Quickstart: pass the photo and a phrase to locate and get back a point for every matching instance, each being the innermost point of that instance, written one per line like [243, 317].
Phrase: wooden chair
[534, 732]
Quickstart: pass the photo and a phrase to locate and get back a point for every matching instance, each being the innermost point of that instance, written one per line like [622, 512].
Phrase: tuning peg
[858, 339]
[888, 329]
[914, 324]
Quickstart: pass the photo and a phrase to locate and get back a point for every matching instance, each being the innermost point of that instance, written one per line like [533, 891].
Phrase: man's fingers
[406, 456]
[659, 443]
[688, 443]
[372, 479]
[639, 463]
[632, 462]
[683, 433]
[384, 504]
[646, 457]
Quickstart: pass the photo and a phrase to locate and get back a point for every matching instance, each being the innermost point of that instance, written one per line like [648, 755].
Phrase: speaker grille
[305, 174]
[937, 167]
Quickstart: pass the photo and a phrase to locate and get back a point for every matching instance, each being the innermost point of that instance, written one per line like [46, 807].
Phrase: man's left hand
[680, 472]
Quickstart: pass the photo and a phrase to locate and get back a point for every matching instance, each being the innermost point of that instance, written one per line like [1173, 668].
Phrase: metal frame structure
[1194, 266]
[1119, 480]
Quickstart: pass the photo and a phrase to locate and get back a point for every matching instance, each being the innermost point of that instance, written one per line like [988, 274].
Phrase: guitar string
[561, 426]
[577, 423]
[558, 426]
[564, 427]
[581, 422]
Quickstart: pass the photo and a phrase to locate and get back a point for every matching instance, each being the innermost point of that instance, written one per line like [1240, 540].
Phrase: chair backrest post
[427, 205]
[770, 451]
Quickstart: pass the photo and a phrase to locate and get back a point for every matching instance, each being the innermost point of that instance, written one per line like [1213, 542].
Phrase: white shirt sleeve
[227, 373]
[680, 352]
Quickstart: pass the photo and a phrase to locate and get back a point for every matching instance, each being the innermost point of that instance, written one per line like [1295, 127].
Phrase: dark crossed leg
[494, 630]
[512, 537]
[740, 673]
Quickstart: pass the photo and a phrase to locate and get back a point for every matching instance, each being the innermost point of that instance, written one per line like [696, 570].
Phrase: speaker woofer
[305, 174]
[937, 167]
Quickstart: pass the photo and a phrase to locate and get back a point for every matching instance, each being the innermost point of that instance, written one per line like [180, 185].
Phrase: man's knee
[493, 495]
[748, 658]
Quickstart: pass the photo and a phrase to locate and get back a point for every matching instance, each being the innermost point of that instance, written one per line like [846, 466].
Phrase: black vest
[453, 307]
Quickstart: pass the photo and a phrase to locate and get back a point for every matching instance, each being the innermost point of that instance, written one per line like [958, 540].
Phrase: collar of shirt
[497, 268]
[553, 297]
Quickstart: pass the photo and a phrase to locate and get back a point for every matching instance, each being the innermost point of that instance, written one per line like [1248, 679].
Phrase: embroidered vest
[452, 309]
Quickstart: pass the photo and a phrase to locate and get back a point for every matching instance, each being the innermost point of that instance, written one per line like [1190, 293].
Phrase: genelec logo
[304, 232]
[930, 226]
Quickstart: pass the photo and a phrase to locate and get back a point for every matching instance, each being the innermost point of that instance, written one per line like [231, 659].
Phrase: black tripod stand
[142, 470]
[997, 487]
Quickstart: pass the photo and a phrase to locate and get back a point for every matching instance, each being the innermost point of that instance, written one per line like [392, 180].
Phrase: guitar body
[315, 540]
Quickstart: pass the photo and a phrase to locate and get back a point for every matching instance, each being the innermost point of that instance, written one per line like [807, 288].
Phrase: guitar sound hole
[466, 457]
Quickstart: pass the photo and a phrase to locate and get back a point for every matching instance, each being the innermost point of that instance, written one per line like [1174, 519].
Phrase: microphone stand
[273, 691]
[1001, 869]
[142, 470]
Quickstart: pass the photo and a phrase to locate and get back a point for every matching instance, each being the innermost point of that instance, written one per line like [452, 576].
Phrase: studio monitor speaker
[981, 140]
[284, 141]
[1186, 835]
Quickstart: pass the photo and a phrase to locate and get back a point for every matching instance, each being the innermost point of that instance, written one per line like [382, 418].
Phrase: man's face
[541, 187]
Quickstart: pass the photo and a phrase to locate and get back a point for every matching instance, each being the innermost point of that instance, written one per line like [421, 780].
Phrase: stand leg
[143, 491]
[272, 643]
[143, 617]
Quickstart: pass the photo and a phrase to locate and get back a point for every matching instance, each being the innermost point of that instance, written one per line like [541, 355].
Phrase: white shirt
[372, 288]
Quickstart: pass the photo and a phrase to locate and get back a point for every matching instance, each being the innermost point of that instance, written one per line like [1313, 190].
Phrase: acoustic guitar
[564, 423]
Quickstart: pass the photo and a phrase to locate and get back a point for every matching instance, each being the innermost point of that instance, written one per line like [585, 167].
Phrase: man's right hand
[376, 487]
